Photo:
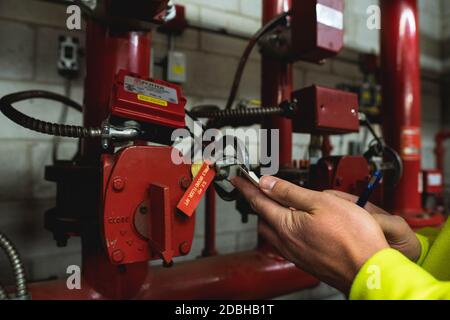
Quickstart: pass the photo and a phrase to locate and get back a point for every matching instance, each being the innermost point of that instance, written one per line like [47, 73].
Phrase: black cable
[37, 125]
[281, 18]
[369, 126]
[62, 119]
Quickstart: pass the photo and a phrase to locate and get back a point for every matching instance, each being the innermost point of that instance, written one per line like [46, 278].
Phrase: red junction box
[148, 100]
[317, 29]
[326, 111]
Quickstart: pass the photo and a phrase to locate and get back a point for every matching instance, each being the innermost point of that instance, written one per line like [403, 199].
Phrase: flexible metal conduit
[54, 129]
[16, 263]
[229, 114]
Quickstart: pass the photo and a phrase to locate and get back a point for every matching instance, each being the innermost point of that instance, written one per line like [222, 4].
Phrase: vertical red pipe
[402, 97]
[277, 84]
[107, 51]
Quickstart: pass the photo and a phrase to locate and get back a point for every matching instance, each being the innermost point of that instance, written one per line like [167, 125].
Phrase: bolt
[185, 248]
[143, 210]
[185, 183]
[118, 256]
[118, 184]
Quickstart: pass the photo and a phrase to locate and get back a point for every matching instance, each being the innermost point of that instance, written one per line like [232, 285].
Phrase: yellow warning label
[152, 100]
[178, 69]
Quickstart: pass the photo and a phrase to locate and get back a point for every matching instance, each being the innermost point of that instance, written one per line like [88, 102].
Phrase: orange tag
[197, 189]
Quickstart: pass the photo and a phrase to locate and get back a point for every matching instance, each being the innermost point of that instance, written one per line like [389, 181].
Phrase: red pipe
[248, 275]
[401, 96]
[402, 106]
[277, 84]
[210, 224]
[108, 51]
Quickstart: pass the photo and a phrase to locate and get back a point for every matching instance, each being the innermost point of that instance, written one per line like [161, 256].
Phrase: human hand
[325, 235]
[397, 232]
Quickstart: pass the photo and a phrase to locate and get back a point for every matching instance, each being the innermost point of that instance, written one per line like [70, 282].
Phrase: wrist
[364, 255]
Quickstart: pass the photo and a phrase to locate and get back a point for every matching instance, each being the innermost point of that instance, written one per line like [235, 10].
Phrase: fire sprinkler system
[120, 194]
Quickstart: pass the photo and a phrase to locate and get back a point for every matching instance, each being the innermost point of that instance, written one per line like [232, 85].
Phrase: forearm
[389, 275]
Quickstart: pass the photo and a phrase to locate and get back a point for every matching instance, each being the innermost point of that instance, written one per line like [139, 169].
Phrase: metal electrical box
[325, 111]
[317, 29]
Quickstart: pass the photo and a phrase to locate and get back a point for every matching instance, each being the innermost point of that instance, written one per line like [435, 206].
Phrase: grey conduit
[16, 263]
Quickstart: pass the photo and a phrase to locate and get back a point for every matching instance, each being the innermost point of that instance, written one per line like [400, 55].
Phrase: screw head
[118, 184]
[143, 209]
[185, 248]
[185, 183]
[118, 256]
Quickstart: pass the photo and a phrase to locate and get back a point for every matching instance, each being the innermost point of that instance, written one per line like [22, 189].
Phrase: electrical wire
[281, 18]
[369, 126]
[37, 125]
[16, 263]
[62, 119]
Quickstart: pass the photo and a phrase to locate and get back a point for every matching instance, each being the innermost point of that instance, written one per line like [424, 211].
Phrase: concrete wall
[28, 33]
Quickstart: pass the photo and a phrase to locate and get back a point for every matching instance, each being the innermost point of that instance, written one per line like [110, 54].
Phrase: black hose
[281, 18]
[16, 263]
[37, 125]
[369, 126]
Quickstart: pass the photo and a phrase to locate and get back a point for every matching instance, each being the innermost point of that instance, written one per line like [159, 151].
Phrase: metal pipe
[401, 85]
[402, 98]
[18, 269]
[247, 275]
[107, 51]
[277, 84]
[210, 224]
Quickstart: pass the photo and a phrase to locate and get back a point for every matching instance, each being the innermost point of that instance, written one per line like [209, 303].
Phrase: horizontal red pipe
[247, 275]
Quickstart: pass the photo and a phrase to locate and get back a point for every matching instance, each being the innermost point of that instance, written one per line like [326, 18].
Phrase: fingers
[268, 209]
[289, 194]
[371, 208]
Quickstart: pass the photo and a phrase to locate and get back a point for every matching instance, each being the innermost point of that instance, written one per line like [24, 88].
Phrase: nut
[185, 248]
[118, 256]
[118, 184]
[185, 183]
